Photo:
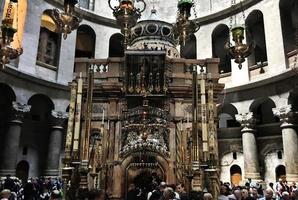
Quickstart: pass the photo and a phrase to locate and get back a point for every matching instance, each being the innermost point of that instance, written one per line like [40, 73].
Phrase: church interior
[106, 94]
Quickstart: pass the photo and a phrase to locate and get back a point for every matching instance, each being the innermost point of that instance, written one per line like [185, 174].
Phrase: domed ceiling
[167, 9]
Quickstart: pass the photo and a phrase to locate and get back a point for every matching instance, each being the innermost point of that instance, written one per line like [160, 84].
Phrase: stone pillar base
[292, 178]
[51, 173]
[5, 172]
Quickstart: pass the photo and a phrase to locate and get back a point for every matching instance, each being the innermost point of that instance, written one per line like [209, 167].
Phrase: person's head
[207, 196]
[162, 186]
[271, 184]
[285, 196]
[244, 193]
[237, 194]
[254, 192]
[5, 194]
[180, 188]
[131, 187]
[56, 195]
[168, 193]
[223, 190]
[268, 194]
[96, 195]
[280, 180]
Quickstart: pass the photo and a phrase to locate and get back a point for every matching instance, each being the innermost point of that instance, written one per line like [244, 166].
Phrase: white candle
[187, 117]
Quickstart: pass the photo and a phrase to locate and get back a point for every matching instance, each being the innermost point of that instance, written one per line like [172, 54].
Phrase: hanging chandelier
[66, 21]
[239, 51]
[185, 27]
[127, 15]
[8, 30]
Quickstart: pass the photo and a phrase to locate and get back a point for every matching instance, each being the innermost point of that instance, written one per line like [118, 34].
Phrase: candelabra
[184, 27]
[7, 51]
[66, 21]
[127, 15]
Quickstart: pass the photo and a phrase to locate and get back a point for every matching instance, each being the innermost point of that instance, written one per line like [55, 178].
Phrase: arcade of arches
[126, 115]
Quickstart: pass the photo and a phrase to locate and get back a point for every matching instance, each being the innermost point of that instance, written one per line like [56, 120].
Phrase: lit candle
[187, 117]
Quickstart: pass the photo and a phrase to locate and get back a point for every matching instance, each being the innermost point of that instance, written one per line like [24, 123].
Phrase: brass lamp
[184, 27]
[127, 15]
[239, 51]
[66, 21]
[7, 51]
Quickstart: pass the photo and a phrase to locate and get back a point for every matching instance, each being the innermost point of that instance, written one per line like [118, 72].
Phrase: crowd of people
[51, 189]
[33, 189]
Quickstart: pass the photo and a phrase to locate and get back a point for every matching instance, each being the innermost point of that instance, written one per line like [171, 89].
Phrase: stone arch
[221, 35]
[85, 42]
[293, 99]
[227, 114]
[262, 110]
[116, 45]
[189, 50]
[163, 162]
[289, 23]
[41, 107]
[255, 32]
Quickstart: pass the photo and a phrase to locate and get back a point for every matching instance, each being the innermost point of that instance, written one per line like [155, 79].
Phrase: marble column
[12, 139]
[249, 144]
[290, 140]
[58, 120]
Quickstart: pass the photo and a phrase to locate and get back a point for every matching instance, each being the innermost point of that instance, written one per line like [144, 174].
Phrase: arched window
[116, 48]
[255, 33]
[189, 51]
[87, 4]
[49, 42]
[262, 110]
[227, 116]
[85, 43]
[220, 36]
[289, 23]
[236, 175]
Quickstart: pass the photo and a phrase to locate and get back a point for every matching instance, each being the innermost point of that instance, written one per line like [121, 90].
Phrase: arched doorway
[280, 172]
[22, 170]
[236, 175]
[145, 172]
[116, 46]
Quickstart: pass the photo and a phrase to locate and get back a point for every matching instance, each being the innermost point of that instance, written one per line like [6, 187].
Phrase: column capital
[247, 121]
[58, 119]
[18, 111]
[286, 115]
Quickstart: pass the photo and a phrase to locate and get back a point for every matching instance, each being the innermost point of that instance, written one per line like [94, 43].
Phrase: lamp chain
[194, 9]
[233, 2]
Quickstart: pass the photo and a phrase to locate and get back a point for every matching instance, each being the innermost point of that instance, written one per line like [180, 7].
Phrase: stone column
[55, 142]
[290, 140]
[12, 139]
[249, 144]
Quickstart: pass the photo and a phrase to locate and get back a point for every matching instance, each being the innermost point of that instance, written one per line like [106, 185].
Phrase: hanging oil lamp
[184, 27]
[8, 30]
[127, 15]
[239, 51]
[66, 21]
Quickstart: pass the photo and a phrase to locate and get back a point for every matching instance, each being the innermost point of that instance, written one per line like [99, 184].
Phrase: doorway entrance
[22, 171]
[236, 175]
[280, 172]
